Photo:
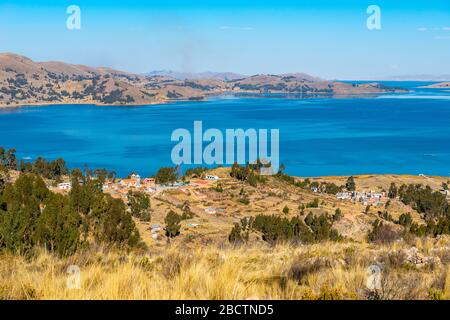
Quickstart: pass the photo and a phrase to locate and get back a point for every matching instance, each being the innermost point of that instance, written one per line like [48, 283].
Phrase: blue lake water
[403, 133]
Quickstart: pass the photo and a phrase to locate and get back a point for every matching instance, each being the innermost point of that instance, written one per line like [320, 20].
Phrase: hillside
[25, 82]
[440, 85]
[202, 262]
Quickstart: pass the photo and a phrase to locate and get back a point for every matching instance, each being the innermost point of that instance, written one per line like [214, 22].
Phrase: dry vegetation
[320, 271]
[201, 263]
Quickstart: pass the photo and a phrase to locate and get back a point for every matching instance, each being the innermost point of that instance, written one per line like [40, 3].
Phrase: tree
[309, 219]
[8, 159]
[382, 233]
[393, 191]
[350, 185]
[173, 226]
[187, 212]
[166, 175]
[30, 215]
[101, 175]
[313, 204]
[3, 178]
[140, 205]
[337, 215]
[285, 210]
[19, 210]
[405, 219]
[57, 228]
[115, 226]
[235, 236]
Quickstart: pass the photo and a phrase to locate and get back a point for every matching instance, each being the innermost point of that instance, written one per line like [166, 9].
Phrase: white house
[210, 210]
[64, 186]
[211, 177]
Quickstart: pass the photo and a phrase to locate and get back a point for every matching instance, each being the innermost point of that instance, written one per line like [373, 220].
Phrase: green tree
[405, 219]
[3, 178]
[187, 212]
[172, 222]
[115, 226]
[393, 191]
[139, 204]
[57, 228]
[166, 175]
[337, 215]
[285, 210]
[313, 204]
[350, 184]
[235, 236]
[19, 211]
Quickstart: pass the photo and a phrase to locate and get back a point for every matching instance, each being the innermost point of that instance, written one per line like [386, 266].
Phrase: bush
[432, 204]
[274, 228]
[245, 201]
[405, 219]
[302, 266]
[247, 173]
[382, 233]
[313, 204]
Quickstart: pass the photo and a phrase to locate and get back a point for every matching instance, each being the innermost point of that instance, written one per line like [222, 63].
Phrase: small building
[150, 190]
[155, 228]
[211, 177]
[314, 189]
[210, 210]
[65, 186]
[135, 177]
[445, 192]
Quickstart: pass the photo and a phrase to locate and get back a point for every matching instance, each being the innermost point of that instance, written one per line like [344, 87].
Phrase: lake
[392, 133]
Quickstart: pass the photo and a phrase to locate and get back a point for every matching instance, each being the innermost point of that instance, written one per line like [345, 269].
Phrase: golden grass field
[319, 271]
[201, 264]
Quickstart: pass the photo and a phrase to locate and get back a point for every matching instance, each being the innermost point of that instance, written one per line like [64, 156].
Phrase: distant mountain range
[26, 82]
[224, 76]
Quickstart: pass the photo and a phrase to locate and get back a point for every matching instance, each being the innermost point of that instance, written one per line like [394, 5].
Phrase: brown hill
[440, 85]
[25, 82]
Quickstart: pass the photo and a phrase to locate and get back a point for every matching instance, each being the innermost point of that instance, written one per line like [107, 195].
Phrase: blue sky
[327, 38]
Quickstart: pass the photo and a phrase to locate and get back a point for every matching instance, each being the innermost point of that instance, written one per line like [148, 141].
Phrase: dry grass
[321, 271]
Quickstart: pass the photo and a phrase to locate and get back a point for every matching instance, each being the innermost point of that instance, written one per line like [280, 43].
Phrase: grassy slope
[321, 271]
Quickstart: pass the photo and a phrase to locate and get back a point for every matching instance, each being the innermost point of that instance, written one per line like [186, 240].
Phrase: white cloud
[446, 28]
[422, 29]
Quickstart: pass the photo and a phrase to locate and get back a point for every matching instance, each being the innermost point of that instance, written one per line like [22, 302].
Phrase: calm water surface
[405, 133]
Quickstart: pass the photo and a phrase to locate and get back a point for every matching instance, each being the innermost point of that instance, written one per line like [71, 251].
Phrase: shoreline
[239, 95]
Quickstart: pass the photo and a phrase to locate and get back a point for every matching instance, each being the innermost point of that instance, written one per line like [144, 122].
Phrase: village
[217, 201]
[119, 188]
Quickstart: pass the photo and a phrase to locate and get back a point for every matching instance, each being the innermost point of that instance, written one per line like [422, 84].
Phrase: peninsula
[25, 82]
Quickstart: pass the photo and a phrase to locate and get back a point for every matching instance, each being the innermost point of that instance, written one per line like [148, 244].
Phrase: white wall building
[65, 186]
